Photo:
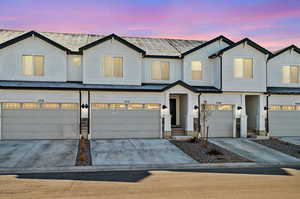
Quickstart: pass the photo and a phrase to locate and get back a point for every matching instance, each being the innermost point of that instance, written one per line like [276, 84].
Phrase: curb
[143, 167]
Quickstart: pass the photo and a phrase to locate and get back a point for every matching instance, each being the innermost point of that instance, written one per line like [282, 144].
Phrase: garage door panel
[284, 123]
[40, 124]
[125, 123]
[220, 124]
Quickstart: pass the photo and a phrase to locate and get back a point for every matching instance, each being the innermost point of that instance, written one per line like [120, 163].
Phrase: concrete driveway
[37, 153]
[292, 140]
[253, 151]
[137, 152]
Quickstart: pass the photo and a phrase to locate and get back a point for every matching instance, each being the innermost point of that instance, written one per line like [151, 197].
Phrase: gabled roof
[116, 37]
[30, 34]
[295, 48]
[248, 41]
[192, 88]
[221, 37]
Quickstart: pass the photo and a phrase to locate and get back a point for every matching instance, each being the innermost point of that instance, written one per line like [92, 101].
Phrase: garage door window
[225, 107]
[284, 108]
[11, 105]
[31, 106]
[100, 106]
[50, 106]
[135, 106]
[152, 106]
[298, 108]
[69, 106]
[117, 106]
[288, 108]
[275, 108]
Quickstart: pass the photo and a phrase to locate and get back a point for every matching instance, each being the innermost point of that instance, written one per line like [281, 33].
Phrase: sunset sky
[272, 23]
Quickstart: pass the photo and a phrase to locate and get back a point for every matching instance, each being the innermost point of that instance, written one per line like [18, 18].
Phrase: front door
[173, 111]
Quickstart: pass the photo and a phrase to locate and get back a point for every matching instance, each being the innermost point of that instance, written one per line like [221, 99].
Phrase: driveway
[292, 140]
[137, 152]
[37, 153]
[253, 151]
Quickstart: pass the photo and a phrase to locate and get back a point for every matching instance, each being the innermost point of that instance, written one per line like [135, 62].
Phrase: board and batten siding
[209, 71]
[257, 83]
[92, 64]
[55, 61]
[275, 65]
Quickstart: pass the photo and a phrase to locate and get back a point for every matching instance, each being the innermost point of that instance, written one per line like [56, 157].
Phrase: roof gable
[246, 40]
[30, 34]
[291, 47]
[109, 37]
[221, 37]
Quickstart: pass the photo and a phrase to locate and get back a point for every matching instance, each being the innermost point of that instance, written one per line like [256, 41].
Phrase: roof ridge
[168, 40]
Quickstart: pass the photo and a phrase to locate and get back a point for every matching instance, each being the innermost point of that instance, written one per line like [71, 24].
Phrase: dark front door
[173, 111]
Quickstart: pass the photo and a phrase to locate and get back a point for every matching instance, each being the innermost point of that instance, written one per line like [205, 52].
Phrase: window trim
[243, 77]
[160, 72]
[113, 67]
[33, 63]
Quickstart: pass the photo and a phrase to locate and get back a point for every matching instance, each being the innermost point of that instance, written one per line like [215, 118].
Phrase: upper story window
[197, 73]
[160, 70]
[243, 68]
[113, 66]
[290, 74]
[33, 65]
[76, 61]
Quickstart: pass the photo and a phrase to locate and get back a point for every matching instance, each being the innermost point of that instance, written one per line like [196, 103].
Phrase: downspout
[89, 107]
[80, 113]
[267, 129]
[221, 72]
[199, 113]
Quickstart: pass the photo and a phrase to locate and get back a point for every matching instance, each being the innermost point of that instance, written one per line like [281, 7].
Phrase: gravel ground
[281, 146]
[200, 154]
[87, 153]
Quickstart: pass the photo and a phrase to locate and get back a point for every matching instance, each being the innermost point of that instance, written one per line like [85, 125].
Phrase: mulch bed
[211, 154]
[281, 146]
[84, 154]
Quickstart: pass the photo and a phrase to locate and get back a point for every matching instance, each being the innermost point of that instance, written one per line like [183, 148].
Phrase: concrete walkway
[292, 140]
[38, 153]
[253, 151]
[137, 152]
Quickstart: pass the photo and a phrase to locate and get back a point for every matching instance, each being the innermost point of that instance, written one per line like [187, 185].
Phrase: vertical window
[33, 65]
[160, 71]
[76, 61]
[196, 70]
[243, 68]
[290, 74]
[113, 66]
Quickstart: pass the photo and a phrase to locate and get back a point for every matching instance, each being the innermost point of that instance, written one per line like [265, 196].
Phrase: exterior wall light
[265, 108]
[196, 107]
[239, 108]
[164, 107]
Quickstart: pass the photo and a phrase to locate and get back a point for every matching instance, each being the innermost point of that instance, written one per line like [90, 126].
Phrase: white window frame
[243, 76]
[160, 71]
[33, 66]
[112, 67]
[290, 81]
[201, 70]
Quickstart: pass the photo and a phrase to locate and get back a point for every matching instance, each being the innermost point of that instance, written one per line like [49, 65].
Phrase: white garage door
[40, 121]
[220, 120]
[284, 120]
[125, 121]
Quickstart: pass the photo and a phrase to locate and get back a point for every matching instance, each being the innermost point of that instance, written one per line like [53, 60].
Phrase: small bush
[214, 152]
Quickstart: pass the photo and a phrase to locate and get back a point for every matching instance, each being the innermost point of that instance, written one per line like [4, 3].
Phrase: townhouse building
[133, 87]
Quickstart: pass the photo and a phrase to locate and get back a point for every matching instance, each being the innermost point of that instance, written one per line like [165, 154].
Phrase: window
[290, 74]
[11, 105]
[275, 107]
[113, 66]
[100, 106]
[196, 70]
[76, 61]
[69, 106]
[288, 107]
[135, 106]
[117, 106]
[243, 68]
[225, 107]
[152, 106]
[33, 65]
[50, 106]
[160, 71]
[30, 106]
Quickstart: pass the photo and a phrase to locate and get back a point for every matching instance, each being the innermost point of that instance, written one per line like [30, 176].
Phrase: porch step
[182, 137]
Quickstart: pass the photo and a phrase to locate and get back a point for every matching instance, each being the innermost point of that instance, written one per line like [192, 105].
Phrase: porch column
[189, 128]
[166, 115]
[244, 117]
[261, 115]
